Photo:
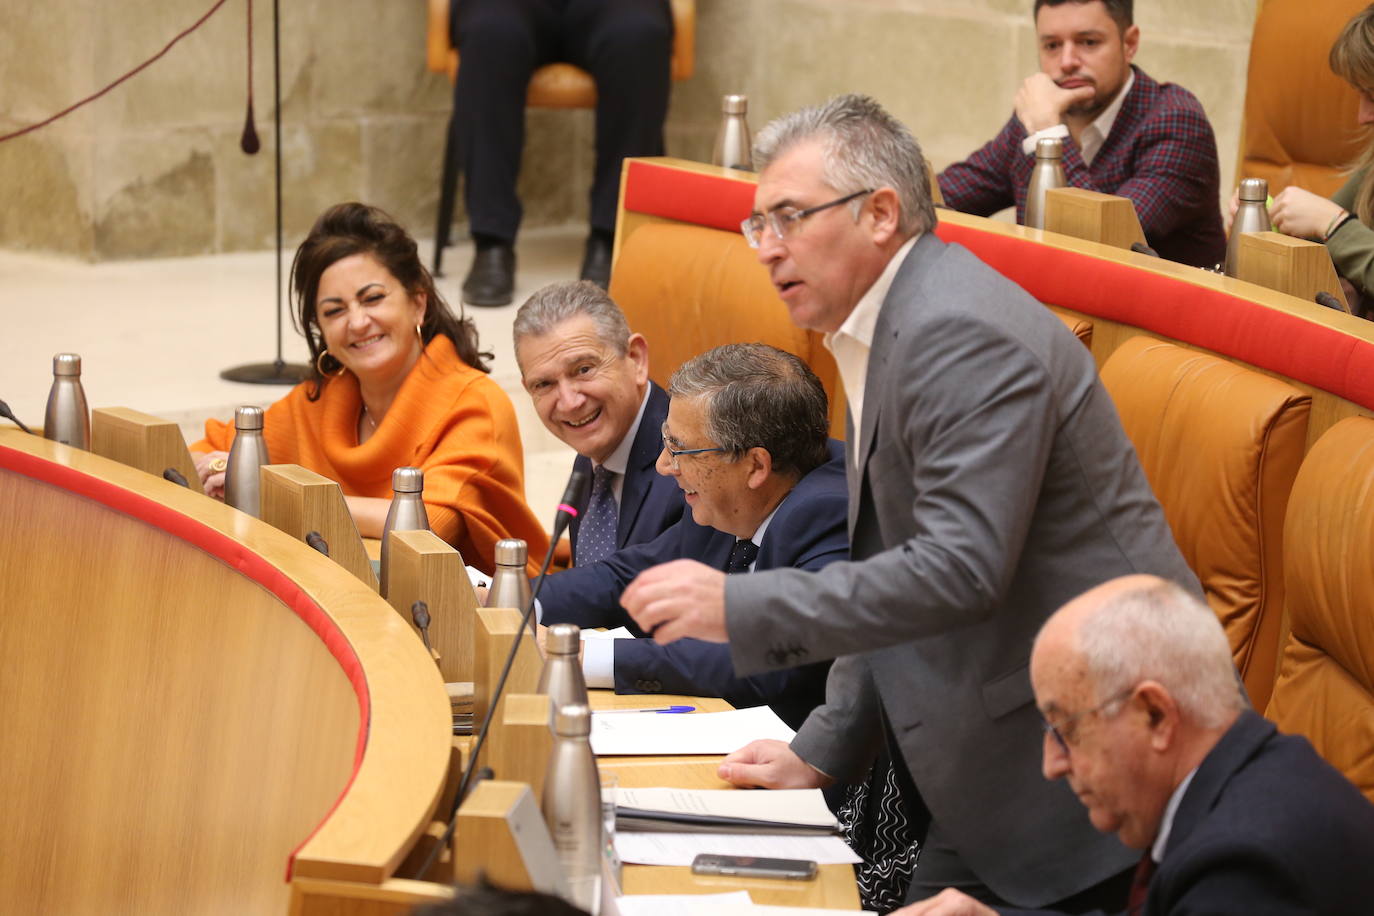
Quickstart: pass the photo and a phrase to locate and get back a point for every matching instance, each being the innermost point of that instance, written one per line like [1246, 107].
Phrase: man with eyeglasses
[1144, 721]
[745, 441]
[989, 482]
[1122, 132]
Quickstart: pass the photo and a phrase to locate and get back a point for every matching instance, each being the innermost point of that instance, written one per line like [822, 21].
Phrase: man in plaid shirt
[1123, 134]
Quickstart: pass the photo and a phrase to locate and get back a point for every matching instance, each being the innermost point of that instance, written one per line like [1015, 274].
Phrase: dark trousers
[626, 45]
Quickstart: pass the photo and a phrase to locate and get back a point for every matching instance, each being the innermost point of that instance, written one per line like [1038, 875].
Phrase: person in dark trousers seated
[746, 441]
[1123, 134]
[588, 378]
[1145, 721]
[626, 45]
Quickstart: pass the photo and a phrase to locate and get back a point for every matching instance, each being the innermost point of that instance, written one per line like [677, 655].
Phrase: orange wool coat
[448, 419]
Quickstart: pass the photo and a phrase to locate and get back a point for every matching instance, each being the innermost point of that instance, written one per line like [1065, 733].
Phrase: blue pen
[659, 709]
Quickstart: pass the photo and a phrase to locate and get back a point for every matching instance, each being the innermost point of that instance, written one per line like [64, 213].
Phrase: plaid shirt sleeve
[985, 182]
[1174, 169]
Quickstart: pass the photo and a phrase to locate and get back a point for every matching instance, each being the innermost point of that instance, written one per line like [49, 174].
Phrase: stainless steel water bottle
[732, 139]
[572, 805]
[242, 484]
[407, 512]
[1251, 216]
[67, 420]
[509, 585]
[562, 678]
[1047, 175]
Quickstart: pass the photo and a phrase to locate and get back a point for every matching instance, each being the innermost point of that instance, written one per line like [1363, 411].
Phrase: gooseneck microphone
[574, 495]
[317, 541]
[9, 415]
[176, 477]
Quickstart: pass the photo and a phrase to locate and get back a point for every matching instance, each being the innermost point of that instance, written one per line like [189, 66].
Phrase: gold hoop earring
[420, 337]
[319, 366]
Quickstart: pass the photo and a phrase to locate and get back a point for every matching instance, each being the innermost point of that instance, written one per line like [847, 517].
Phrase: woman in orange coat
[399, 381]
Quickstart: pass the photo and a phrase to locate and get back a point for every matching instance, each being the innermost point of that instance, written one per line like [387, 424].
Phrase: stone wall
[154, 167]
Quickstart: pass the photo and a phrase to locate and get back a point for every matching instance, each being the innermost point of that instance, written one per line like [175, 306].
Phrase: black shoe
[596, 262]
[491, 279]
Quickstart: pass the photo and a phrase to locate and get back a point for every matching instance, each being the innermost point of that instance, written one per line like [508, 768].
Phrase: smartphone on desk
[753, 867]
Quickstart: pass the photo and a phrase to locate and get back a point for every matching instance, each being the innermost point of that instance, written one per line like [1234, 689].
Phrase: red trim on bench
[1279, 342]
[689, 197]
[229, 551]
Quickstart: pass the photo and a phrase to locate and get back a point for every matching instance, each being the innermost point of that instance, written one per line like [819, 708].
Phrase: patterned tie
[596, 536]
[1140, 885]
[741, 556]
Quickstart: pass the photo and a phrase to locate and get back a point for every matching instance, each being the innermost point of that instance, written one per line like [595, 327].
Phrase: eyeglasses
[675, 453]
[1066, 730]
[783, 219]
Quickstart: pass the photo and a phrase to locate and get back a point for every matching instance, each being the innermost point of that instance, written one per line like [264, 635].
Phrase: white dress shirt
[853, 341]
[1166, 824]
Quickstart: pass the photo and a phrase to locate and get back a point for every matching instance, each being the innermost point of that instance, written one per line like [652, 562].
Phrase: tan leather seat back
[1325, 688]
[1299, 116]
[1080, 327]
[689, 288]
[1220, 445]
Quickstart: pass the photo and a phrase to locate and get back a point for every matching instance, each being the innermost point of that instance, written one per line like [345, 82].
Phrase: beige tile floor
[154, 334]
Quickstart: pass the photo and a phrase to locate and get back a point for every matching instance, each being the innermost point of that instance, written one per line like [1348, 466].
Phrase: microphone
[574, 495]
[1142, 248]
[176, 477]
[1328, 300]
[419, 612]
[316, 540]
[249, 141]
[9, 415]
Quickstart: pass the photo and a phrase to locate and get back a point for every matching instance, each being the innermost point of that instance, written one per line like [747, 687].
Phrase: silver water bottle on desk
[732, 140]
[242, 482]
[1047, 174]
[407, 512]
[510, 587]
[562, 678]
[67, 419]
[572, 805]
[1251, 216]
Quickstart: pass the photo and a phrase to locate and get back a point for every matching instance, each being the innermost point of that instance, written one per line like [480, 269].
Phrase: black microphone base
[273, 373]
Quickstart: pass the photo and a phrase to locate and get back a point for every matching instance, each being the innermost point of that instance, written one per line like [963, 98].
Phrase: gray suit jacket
[990, 483]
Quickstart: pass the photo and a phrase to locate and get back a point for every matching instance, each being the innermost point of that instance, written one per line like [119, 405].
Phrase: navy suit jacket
[808, 531]
[1266, 826]
[650, 503]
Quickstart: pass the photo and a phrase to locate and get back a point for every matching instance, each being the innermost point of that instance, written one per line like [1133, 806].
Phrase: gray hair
[1160, 632]
[759, 396]
[556, 303]
[865, 147]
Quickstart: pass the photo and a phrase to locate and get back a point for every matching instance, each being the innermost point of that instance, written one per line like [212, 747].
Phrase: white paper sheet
[682, 848]
[787, 806]
[617, 633]
[680, 904]
[689, 733]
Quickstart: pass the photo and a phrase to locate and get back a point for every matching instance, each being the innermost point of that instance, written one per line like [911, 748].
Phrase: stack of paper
[737, 904]
[695, 733]
[782, 811]
[681, 848]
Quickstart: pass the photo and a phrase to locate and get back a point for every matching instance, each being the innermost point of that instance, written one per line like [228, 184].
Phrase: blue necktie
[596, 536]
[742, 556]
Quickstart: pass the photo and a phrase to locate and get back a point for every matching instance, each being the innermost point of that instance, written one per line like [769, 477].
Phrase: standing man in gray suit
[989, 483]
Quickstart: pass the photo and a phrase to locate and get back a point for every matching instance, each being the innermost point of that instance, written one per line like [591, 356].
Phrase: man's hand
[770, 764]
[679, 599]
[948, 902]
[1303, 214]
[1040, 103]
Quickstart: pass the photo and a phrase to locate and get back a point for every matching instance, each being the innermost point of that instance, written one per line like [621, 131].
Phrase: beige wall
[154, 167]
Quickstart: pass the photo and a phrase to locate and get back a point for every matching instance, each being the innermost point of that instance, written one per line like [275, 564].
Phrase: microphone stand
[277, 372]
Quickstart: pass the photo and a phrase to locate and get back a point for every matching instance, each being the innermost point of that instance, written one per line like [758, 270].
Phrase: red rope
[91, 98]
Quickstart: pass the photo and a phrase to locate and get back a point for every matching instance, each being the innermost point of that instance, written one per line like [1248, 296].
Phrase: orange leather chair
[689, 288]
[1325, 688]
[1220, 445]
[556, 85]
[1299, 116]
